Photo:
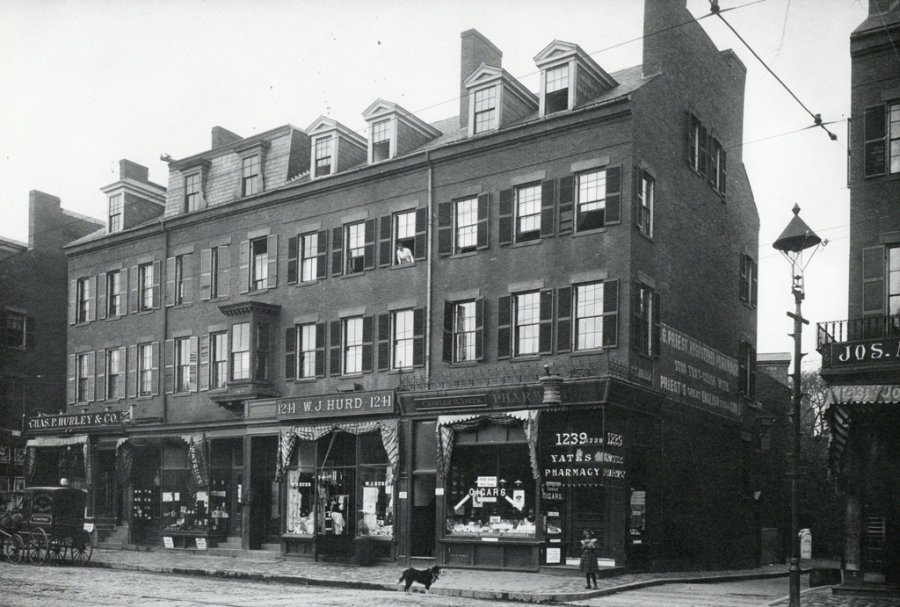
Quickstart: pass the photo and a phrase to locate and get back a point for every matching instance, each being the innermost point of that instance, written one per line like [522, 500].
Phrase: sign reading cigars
[75, 420]
[336, 405]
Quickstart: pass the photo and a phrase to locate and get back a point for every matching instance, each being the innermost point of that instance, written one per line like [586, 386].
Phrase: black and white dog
[426, 577]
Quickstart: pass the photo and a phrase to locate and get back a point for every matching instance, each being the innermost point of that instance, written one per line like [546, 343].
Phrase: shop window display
[491, 492]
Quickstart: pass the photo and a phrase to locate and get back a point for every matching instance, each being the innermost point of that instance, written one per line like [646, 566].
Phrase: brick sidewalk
[469, 583]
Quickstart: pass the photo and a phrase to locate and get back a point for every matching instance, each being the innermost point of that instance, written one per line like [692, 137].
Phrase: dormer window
[381, 140]
[324, 154]
[192, 192]
[486, 110]
[250, 182]
[115, 213]
[556, 89]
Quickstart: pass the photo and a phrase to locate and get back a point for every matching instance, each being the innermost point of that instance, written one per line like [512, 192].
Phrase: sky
[85, 83]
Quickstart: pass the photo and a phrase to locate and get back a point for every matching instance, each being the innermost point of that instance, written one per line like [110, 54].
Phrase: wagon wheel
[58, 547]
[38, 547]
[81, 547]
[15, 548]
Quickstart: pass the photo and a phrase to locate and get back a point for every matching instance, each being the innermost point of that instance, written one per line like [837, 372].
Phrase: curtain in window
[448, 425]
[387, 428]
[57, 441]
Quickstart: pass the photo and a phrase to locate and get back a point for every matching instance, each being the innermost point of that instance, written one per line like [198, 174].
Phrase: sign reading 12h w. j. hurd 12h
[331, 405]
[689, 371]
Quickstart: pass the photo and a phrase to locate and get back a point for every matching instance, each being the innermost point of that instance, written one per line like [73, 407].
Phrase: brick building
[33, 325]
[464, 342]
[860, 356]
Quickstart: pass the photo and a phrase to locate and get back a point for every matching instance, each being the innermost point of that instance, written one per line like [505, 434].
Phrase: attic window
[192, 192]
[485, 109]
[115, 213]
[381, 141]
[250, 183]
[324, 152]
[556, 89]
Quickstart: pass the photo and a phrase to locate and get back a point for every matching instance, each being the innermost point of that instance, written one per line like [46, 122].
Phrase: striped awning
[387, 427]
[850, 401]
[448, 425]
[58, 441]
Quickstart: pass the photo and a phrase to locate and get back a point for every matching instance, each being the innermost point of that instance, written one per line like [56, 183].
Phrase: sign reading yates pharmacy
[336, 405]
[52, 423]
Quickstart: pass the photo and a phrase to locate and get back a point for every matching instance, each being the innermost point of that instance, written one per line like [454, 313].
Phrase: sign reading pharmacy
[694, 373]
[40, 423]
[336, 405]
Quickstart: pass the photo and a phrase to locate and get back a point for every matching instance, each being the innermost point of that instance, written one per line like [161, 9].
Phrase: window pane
[528, 212]
[527, 323]
[308, 350]
[403, 339]
[466, 224]
[557, 78]
[589, 315]
[353, 340]
[309, 250]
[464, 331]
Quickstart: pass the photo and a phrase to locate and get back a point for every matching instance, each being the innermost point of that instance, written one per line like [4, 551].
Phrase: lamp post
[796, 238]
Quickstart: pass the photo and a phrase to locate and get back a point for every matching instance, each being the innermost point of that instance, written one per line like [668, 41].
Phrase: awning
[57, 441]
[448, 425]
[388, 428]
[848, 401]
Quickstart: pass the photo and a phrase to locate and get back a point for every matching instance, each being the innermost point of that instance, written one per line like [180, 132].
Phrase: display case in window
[299, 519]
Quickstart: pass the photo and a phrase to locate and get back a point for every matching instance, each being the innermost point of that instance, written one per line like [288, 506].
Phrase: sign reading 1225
[874, 351]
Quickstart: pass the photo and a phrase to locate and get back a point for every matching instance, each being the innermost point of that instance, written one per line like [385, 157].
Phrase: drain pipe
[431, 256]
[165, 320]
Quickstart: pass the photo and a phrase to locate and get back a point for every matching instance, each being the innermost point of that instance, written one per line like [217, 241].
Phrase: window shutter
[421, 234]
[873, 281]
[29, 332]
[101, 295]
[752, 363]
[505, 222]
[92, 299]
[272, 252]
[188, 278]
[70, 380]
[384, 342]
[745, 282]
[445, 228]
[293, 259]
[369, 250]
[564, 319]
[157, 266]
[637, 197]
[131, 364]
[875, 157]
[691, 141]
[367, 350]
[337, 251]
[123, 291]
[290, 353]
[322, 254]
[723, 174]
[657, 329]
[610, 313]
[479, 329]
[613, 195]
[120, 378]
[754, 284]
[419, 337]
[566, 204]
[548, 208]
[483, 241]
[101, 375]
[73, 298]
[447, 345]
[334, 348]
[169, 369]
[545, 332]
[503, 326]
[742, 367]
[133, 283]
[154, 369]
[194, 341]
[703, 153]
[206, 274]
[320, 349]
[170, 281]
[223, 271]
[636, 327]
[244, 267]
[384, 243]
[90, 384]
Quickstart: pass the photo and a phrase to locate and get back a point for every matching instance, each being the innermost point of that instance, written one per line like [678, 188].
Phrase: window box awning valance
[387, 428]
[58, 441]
[849, 401]
[448, 425]
[197, 455]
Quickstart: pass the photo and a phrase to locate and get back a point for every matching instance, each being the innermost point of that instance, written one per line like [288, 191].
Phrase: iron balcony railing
[870, 327]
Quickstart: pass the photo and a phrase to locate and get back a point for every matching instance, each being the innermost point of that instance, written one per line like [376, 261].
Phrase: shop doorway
[585, 509]
[423, 515]
[107, 505]
[144, 496]
[226, 484]
[265, 511]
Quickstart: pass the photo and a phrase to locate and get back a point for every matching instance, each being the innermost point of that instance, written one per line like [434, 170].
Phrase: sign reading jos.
[40, 423]
[332, 405]
[692, 372]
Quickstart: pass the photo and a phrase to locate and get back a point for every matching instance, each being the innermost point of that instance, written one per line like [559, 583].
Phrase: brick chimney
[133, 170]
[221, 136]
[475, 50]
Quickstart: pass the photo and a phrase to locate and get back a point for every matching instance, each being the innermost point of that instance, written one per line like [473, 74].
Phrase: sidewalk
[469, 583]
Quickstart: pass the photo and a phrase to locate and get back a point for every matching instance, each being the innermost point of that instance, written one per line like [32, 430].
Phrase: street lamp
[796, 238]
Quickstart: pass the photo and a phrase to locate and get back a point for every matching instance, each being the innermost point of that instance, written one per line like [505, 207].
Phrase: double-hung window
[145, 287]
[381, 140]
[179, 279]
[262, 351]
[356, 247]
[466, 212]
[192, 192]
[250, 182]
[145, 369]
[113, 373]
[83, 300]
[324, 153]
[485, 110]
[881, 148]
[589, 316]
[352, 346]
[894, 286]
[183, 365]
[749, 280]
[113, 294]
[464, 331]
[309, 248]
[218, 350]
[215, 289]
[259, 264]
[115, 213]
[402, 339]
[306, 342]
[591, 200]
[746, 369]
[645, 326]
[528, 212]
[697, 145]
[717, 170]
[527, 323]
[84, 371]
[14, 329]
[240, 351]
[556, 89]
[404, 237]
[646, 198]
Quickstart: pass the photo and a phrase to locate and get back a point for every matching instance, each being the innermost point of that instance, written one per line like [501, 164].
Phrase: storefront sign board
[875, 394]
[201, 543]
[691, 372]
[51, 423]
[168, 542]
[864, 352]
[553, 556]
[336, 405]
[580, 448]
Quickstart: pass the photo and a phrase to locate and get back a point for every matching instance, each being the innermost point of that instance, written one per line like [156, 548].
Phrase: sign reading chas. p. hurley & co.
[335, 405]
[51, 423]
